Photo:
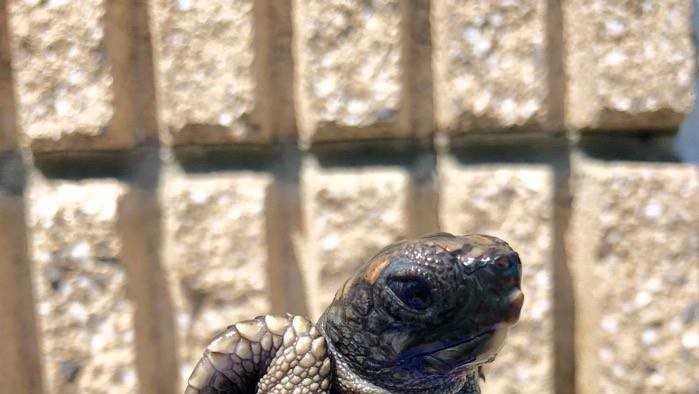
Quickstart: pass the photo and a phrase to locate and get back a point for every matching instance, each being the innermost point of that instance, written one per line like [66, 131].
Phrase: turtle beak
[515, 302]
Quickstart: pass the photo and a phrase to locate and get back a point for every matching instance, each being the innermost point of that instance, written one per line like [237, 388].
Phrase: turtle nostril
[508, 262]
[502, 262]
[508, 268]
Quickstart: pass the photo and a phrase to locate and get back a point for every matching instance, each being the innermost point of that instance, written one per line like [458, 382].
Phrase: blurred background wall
[171, 166]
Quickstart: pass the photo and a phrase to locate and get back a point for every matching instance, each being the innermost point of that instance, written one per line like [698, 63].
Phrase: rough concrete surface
[630, 64]
[63, 75]
[348, 55]
[636, 268]
[513, 202]
[350, 215]
[490, 64]
[206, 71]
[132, 277]
[215, 254]
[83, 310]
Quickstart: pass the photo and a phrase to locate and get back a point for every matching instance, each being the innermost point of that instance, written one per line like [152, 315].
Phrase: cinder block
[349, 68]
[64, 75]
[215, 254]
[206, 70]
[630, 65]
[350, 215]
[635, 265]
[84, 312]
[490, 65]
[514, 202]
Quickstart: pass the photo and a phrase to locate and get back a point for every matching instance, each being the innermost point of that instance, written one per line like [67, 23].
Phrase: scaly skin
[422, 316]
[269, 354]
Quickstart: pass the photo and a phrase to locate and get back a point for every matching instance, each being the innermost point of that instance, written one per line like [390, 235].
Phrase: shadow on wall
[687, 142]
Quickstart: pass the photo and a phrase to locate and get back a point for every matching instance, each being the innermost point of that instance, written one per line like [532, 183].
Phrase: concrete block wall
[168, 167]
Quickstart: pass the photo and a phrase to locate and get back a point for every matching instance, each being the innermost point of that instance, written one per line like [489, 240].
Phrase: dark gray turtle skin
[422, 316]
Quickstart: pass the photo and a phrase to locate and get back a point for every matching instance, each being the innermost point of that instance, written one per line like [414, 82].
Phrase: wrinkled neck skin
[347, 381]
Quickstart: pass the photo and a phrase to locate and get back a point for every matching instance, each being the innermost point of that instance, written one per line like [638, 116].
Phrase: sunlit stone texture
[513, 202]
[350, 215]
[489, 64]
[630, 64]
[215, 254]
[84, 313]
[635, 262]
[349, 76]
[205, 70]
[63, 75]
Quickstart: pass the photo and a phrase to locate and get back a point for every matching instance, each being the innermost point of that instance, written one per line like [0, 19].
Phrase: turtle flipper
[235, 360]
[302, 364]
[268, 352]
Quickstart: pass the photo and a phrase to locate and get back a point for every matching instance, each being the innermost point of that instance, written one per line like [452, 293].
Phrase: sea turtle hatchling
[421, 316]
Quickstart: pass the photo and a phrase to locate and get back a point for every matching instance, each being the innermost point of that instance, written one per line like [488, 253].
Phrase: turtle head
[425, 313]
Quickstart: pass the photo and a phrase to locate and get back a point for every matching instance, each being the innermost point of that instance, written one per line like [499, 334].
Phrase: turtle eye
[413, 292]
